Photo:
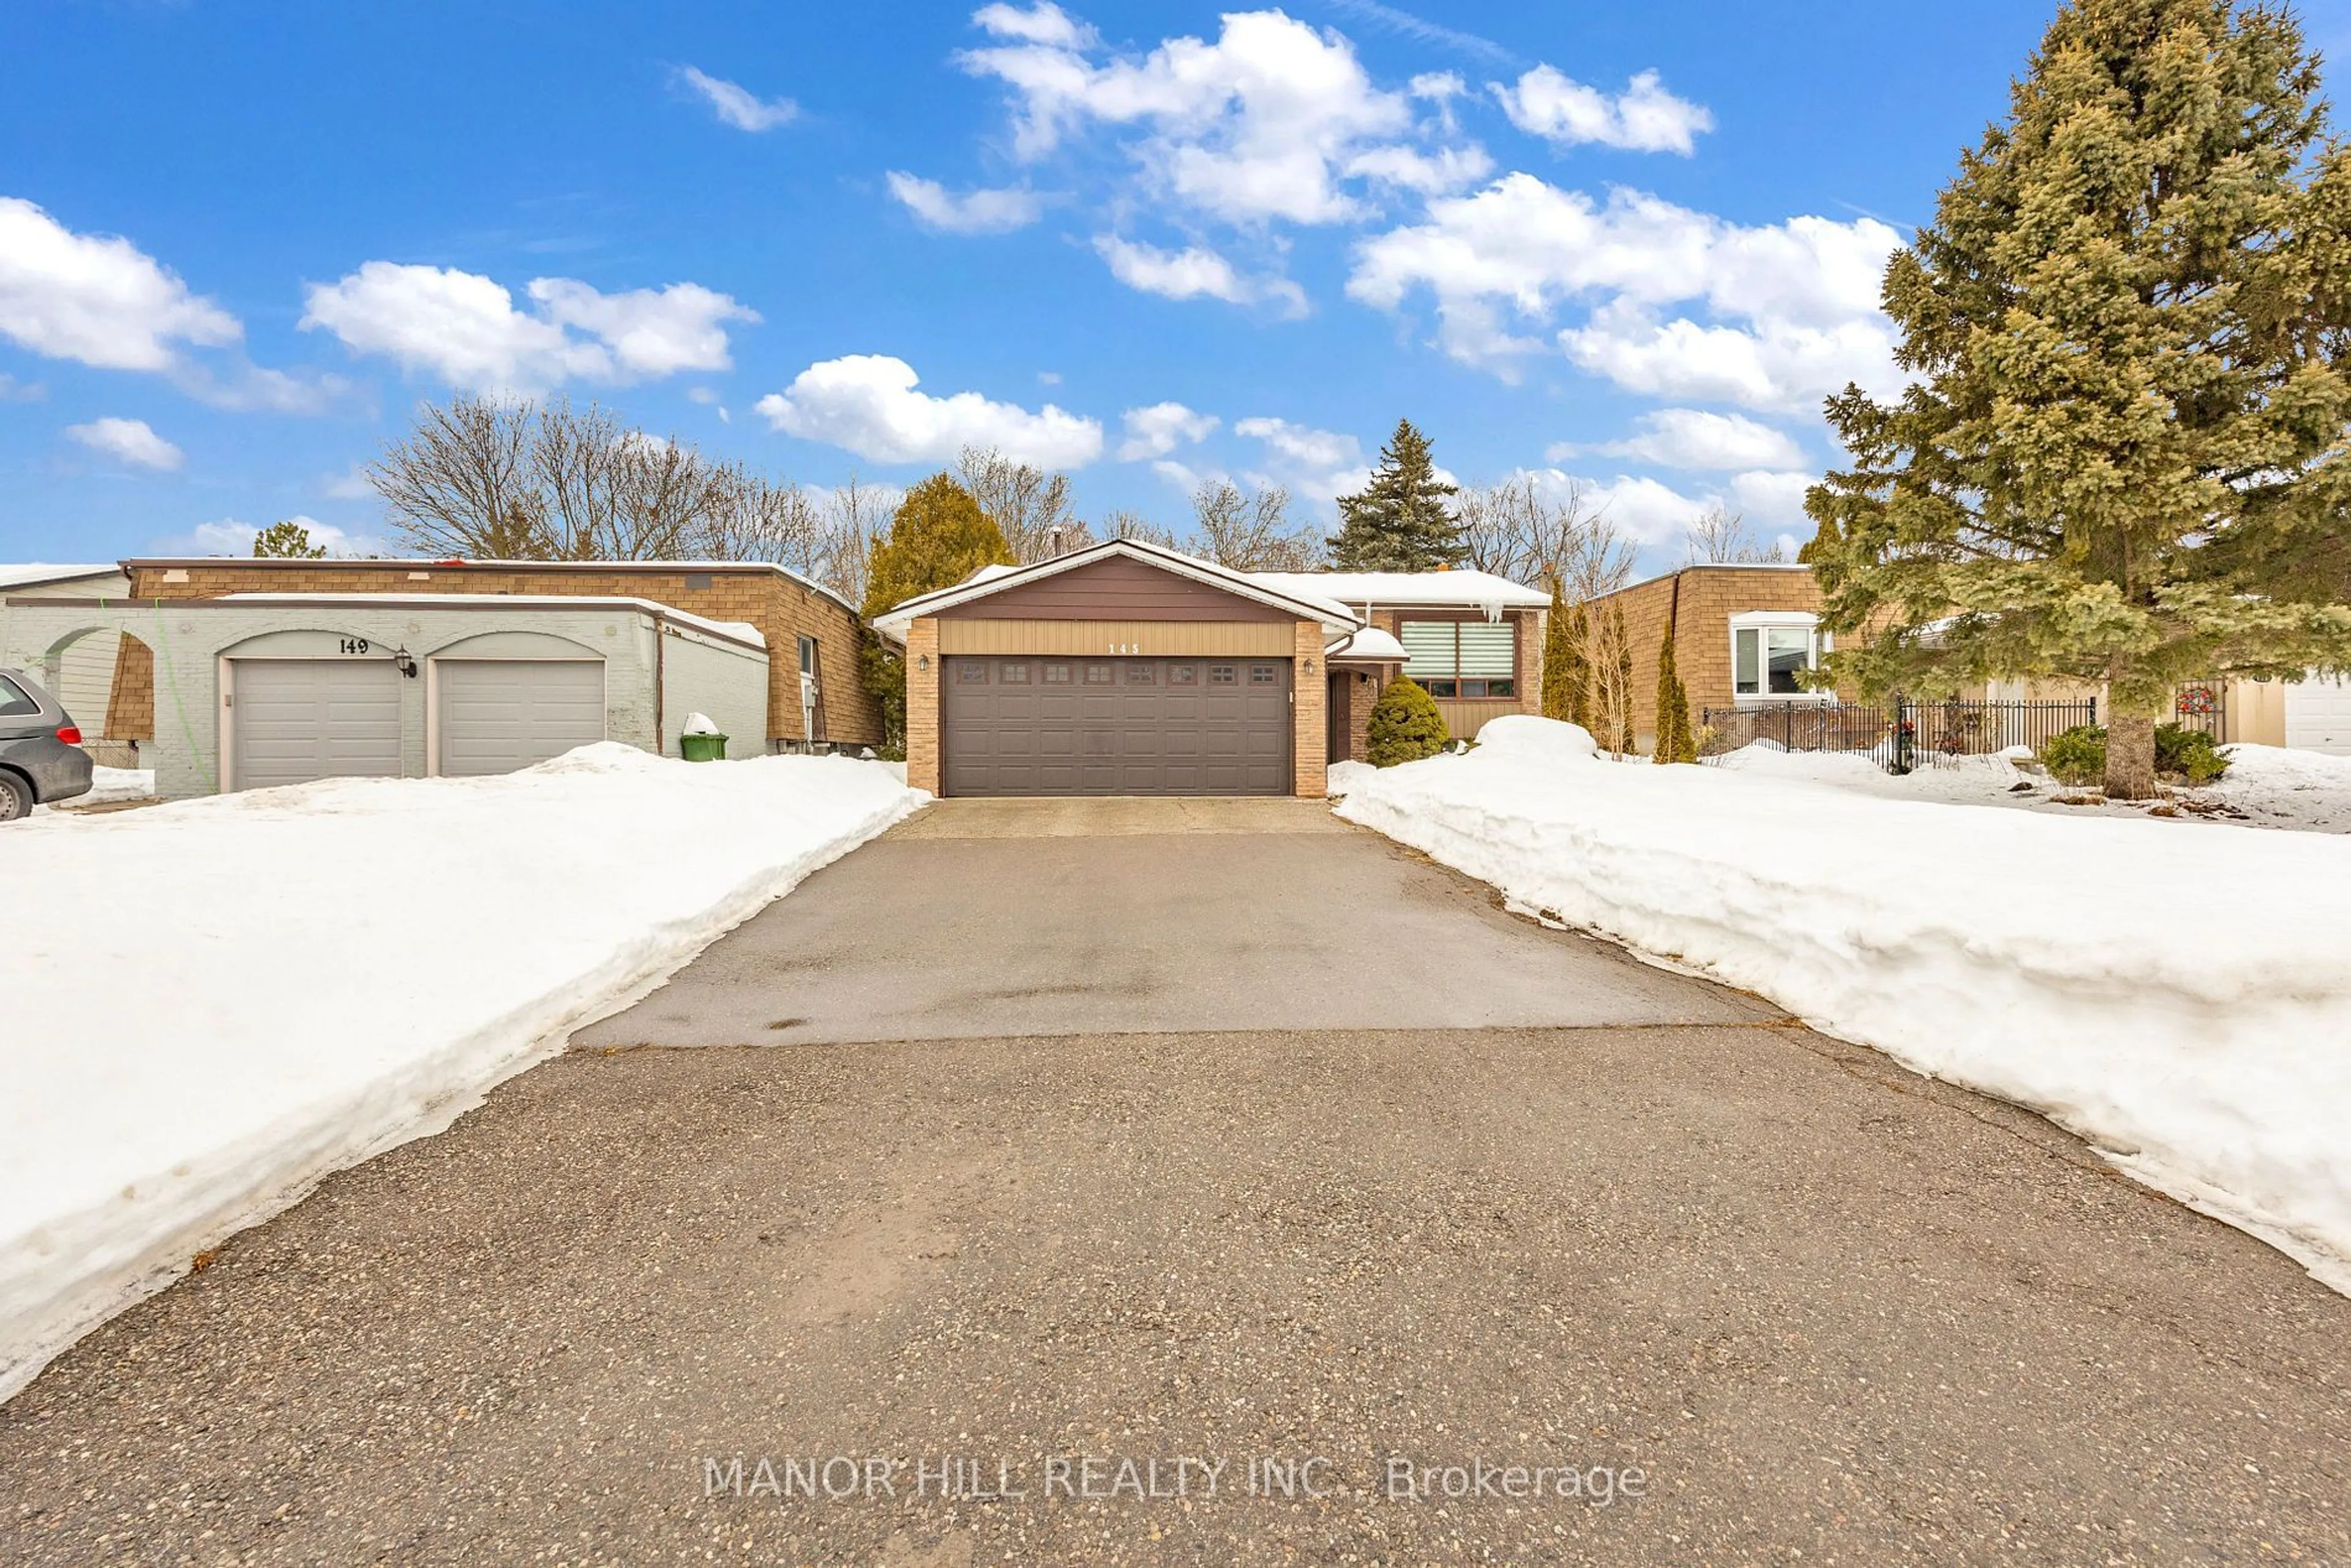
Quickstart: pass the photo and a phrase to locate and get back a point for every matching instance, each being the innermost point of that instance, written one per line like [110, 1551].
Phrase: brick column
[923, 705]
[1309, 741]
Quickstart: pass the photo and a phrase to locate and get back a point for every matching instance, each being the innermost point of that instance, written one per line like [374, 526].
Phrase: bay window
[1455, 659]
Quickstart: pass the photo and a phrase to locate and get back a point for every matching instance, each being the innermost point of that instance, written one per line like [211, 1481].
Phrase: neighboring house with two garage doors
[235, 672]
[257, 690]
[1128, 669]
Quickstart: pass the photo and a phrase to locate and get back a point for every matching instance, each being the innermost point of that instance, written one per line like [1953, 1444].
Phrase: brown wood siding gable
[1118, 588]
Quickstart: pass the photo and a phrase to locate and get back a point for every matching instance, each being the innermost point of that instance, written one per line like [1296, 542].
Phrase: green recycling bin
[702, 747]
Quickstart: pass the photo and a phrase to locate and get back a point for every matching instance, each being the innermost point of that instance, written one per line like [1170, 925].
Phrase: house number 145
[1126, 647]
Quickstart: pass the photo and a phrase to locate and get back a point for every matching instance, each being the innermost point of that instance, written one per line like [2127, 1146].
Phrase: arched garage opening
[507, 700]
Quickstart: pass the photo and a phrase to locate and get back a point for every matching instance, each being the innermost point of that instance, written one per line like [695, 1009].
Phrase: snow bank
[2181, 998]
[212, 1004]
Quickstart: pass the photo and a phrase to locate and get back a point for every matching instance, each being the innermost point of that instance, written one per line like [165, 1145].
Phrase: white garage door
[299, 719]
[498, 715]
[2318, 714]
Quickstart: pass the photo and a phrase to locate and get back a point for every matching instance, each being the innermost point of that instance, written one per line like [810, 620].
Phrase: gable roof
[1333, 616]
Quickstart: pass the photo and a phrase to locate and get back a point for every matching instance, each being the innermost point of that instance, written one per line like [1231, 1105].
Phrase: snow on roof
[1369, 644]
[30, 573]
[734, 630]
[1441, 589]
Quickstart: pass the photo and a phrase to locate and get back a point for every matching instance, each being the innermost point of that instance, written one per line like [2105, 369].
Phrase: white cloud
[739, 107]
[350, 485]
[1425, 174]
[1317, 465]
[130, 442]
[97, 299]
[870, 404]
[14, 390]
[1262, 124]
[229, 537]
[1794, 305]
[466, 329]
[1159, 428]
[1644, 118]
[1692, 438]
[1769, 500]
[977, 212]
[1193, 272]
[1044, 23]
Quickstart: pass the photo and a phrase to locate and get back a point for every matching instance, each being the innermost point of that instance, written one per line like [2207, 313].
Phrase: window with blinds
[1462, 658]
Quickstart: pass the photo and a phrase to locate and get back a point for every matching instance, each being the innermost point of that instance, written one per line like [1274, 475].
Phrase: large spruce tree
[1399, 521]
[2122, 459]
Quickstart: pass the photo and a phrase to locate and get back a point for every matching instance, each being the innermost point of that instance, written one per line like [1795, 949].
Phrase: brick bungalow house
[1128, 669]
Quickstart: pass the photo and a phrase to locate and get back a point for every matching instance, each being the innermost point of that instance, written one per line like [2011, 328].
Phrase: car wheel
[15, 798]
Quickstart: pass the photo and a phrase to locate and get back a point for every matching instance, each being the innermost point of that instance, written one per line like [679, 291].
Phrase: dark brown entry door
[1115, 726]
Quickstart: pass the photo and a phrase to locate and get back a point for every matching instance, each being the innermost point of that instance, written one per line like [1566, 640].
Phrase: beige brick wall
[1309, 737]
[923, 704]
[782, 609]
[1709, 597]
[131, 705]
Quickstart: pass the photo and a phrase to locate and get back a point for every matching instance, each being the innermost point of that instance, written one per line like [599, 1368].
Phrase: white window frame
[1763, 622]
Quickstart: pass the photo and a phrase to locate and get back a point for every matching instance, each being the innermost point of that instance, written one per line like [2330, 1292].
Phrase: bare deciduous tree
[1594, 558]
[1609, 647]
[1719, 538]
[1250, 532]
[1512, 530]
[461, 484]
[1126, 525]
[515, 480]
[1031, 507]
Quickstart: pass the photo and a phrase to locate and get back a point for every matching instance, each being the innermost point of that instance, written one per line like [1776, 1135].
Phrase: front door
[1339, 715]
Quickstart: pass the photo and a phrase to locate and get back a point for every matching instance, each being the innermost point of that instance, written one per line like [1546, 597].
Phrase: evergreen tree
[1563, 661]
[1398, 521]
[1578, 679]
[1676, 740]
[287, 540]
[1405, 725]
[937, 538]
[2123, 459]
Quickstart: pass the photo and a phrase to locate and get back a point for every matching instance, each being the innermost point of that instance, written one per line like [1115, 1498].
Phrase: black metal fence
[1898, 736]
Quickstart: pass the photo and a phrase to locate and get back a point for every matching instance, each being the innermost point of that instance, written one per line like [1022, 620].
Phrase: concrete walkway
[980, 918]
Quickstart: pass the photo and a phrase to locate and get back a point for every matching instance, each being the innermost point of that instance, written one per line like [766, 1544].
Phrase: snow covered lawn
[2265, 786]
[2181, 998]
[210, 1005]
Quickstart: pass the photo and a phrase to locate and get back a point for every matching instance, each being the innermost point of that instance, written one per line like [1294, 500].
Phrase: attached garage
[1122, 669]
[1044, 726]
[495, 715]
[294, 720]
[261, 690]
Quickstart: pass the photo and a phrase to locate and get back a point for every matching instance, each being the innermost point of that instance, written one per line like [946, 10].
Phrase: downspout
[661, 682]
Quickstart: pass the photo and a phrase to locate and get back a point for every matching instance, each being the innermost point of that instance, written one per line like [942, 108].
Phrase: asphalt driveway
[1766, 1298]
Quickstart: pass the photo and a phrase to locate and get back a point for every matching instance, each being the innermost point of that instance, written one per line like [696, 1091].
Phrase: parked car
[41, 758]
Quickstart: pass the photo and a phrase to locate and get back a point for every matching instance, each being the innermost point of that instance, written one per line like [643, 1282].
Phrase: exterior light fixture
[1310, 666]
[921, 661]
[404, 663]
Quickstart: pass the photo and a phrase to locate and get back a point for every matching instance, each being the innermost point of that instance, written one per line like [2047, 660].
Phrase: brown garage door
[1115, 726]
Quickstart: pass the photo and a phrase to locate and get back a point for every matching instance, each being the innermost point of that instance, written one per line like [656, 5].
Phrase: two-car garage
[296, 719]
[1046, 725]
[260, 691]
[1119, 669]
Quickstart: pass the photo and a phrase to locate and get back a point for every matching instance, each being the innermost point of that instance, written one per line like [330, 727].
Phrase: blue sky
[1622, 246]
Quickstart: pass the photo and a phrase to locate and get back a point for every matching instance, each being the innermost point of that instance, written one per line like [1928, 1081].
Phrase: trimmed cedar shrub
[1405, 727]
